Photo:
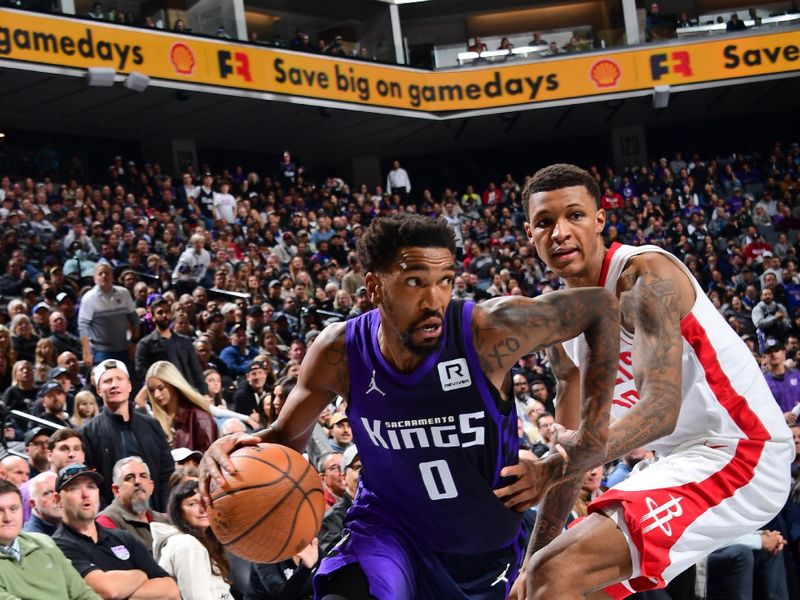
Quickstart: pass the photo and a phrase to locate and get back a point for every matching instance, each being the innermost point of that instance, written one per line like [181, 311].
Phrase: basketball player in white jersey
[687, 388]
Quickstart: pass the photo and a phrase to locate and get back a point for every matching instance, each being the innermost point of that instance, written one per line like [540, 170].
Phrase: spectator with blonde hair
[5, 344]
[45, 359]
[180, 409]
[85, 409]
[22, 393]
[23, 339]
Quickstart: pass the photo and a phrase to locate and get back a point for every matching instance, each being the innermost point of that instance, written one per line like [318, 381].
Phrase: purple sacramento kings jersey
[432, 442]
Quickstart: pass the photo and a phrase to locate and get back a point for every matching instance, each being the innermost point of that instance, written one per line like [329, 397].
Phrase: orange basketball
[271, 508]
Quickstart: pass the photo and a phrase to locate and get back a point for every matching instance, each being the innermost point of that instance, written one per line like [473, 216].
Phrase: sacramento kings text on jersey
[424, 433]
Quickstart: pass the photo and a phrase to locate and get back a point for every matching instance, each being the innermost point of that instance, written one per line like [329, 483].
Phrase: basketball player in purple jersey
[424, 376]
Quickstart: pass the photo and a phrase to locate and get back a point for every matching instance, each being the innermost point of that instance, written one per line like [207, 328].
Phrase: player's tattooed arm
[568, 378]
[553, 513]
[656, 297]
[540, 323]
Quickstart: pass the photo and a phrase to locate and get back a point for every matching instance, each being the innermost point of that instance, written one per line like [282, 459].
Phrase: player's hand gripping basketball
[216, 458]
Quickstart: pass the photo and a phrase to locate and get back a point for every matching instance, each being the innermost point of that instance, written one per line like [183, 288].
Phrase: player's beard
[422, 349]
[419, 349]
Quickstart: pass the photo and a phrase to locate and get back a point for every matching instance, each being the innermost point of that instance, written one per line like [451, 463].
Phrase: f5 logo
[241, 64]
[675, 62]
[454, 374]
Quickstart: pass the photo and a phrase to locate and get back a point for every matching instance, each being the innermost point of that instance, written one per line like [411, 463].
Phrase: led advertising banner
[78, 43]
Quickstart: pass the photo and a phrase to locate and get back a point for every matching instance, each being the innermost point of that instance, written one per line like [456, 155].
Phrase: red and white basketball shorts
[693, 501]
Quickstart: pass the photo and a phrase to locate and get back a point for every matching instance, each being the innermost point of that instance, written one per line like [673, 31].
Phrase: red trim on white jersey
[607, 262]
[662, 515]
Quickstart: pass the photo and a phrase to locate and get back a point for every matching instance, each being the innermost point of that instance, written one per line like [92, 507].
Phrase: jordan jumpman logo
[373, 387]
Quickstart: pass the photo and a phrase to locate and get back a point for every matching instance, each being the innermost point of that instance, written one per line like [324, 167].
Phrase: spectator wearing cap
[238, 355]
[275, 294]
[111, 561]
[192, 266]
[333, 521]
[119, 431]
[165, 344]
[361, 304]
[186, 457]
[41, 317]
[63, 447]
[784, 382]
[45, 514]
[341, 433]
[62, 339]
[106, 312]
[756, 248]
[771, 318]
[36, 448]
[54, 400]
[66, 304]
[255, 325]
[252, 393]
[31, 566]
[130, 511]
[771, 265]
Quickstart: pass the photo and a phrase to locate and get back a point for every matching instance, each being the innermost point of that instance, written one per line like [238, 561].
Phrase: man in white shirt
[224, 204]
[192, 265]
[397, 182]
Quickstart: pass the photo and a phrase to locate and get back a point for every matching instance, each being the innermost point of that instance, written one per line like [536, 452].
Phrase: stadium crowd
[146, 315]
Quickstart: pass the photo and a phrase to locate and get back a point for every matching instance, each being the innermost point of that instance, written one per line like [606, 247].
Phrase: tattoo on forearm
[652, 307]
[336, 357]
[503, 349]
[553, 513]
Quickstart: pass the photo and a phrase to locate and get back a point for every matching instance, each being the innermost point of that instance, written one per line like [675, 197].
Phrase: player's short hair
[556, 177]
[385, 236]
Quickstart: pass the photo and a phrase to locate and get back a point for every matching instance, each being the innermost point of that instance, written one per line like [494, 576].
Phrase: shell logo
[605, 73]
[182, 59]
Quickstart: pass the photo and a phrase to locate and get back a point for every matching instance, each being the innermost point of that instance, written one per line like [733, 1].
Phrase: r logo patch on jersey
[454, 374]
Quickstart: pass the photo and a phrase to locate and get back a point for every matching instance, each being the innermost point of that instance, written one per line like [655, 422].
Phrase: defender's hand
[534, 478]
[519, 589]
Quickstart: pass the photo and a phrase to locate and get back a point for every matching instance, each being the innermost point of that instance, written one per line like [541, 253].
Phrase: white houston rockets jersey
[724, 392]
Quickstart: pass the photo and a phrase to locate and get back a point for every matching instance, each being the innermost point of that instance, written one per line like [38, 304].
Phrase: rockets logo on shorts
[454, 374]
[662, 514]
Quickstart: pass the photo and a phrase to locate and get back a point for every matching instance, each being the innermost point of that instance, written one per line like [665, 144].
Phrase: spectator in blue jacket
[238, 356]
